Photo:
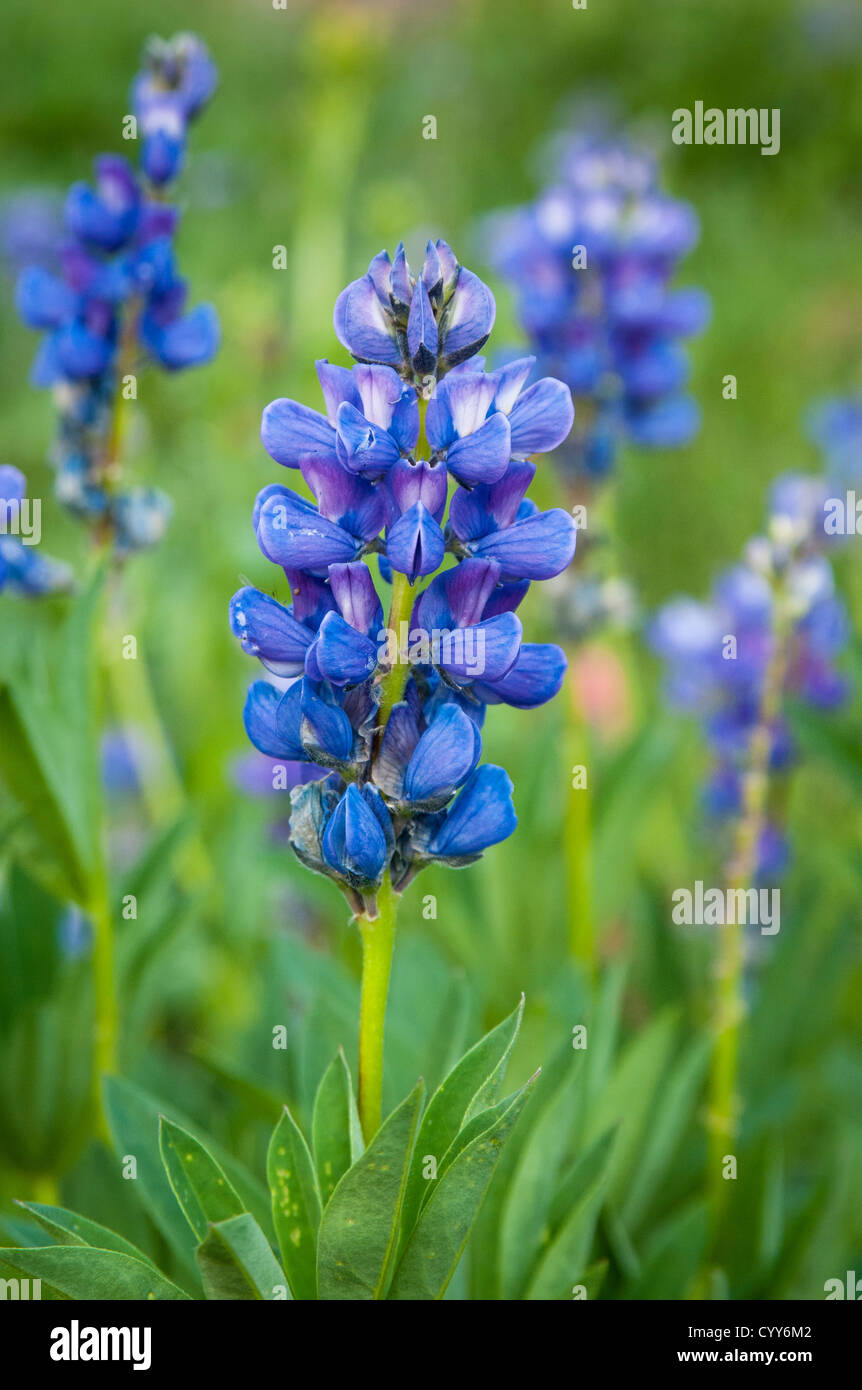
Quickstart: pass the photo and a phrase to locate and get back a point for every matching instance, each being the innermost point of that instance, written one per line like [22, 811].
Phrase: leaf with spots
[360, 1224]
[336, 1137]
[437, 1240]
[236, 1262]
[296, 1205]
[198, 1182]
[80, 1272]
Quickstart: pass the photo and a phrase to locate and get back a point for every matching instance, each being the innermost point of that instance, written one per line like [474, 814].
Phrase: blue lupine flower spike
[422, 459]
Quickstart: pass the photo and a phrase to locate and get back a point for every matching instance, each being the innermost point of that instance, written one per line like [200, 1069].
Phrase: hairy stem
[378, 943]
[729, 1008]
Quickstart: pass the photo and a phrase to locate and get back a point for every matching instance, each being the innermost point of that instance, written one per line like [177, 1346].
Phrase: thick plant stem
[105, 1011]
[378, 943]
[729, 1008]
[578, 837]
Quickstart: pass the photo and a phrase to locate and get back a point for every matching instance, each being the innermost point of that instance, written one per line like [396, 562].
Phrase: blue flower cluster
[422, 459]
[592, 262]
[23, 568]
[117, 301]
[773, 629]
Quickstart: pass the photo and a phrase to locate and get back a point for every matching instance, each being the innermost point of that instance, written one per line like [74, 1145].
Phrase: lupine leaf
[335, 1132]
[133, 1119]
[534, 1181]
[437, 1241]
[80, 1272]
[48, 743]
[296, 1205]
[576, 1207]
[69, 1228]
[236, 1262]
[199, 1185]
[360, 1224]
[471, 1086]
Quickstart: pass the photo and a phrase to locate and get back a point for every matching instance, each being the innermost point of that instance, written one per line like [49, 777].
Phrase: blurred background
[314, 142]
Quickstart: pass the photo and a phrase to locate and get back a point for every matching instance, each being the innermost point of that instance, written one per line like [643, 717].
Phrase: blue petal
[535, 678]
[362, 326]
[481, 457]
[488, 649]
[343, 655]
[444, 757]
[189, 341]
[363, 447]
[259, 716]
[482, 815]
[353, 842]
[541, 417]
[422, 331]
[293, 434]
[468, 318]
[291, 532]
[356, 596]
[42, 299]
[346, 498]
[415, 545]
[537, 548]
[325, 726]
[269, 631]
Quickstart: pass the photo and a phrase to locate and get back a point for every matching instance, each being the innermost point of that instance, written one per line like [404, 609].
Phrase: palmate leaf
[48, 740]
[199, 1185]
[437, 1241]
[336, 1135]
[471, 1086]
[360, 1223]
[80, 1272]
[236, 1262]
[69, 1228]
[296, 1205]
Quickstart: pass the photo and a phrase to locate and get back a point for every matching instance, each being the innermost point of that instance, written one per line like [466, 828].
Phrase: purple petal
[292, 532]
[535, 678]
[537, 548]
[481, 457]
[293, 434]
[362, 326]
[541, 418]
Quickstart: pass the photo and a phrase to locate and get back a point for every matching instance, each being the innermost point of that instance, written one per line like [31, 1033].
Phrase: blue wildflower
[420, 458]
[24, 569]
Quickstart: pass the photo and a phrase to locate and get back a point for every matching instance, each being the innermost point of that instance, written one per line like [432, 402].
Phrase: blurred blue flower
[592, 263]
[112, 299]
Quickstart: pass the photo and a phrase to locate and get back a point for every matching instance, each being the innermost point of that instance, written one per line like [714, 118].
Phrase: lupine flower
[116, 302]
[773, 628]
[390, 722]
[592, 263]
[24, 569]
[177, 81]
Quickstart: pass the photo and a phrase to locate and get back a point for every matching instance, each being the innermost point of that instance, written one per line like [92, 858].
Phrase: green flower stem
[729, 1009]
[393, 683]
[105, 1010]
[578, 837]
[378, 943]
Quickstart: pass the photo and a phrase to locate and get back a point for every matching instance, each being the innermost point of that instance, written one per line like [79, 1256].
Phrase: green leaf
[199, 1184]
[236, 1262]
[471, 1086]
[336, 1135]
[436, 1243]
[49, 744]
[133, 1120]
[534, 1181]
[79, 1272]
[69, 1228]
[572, 1222]
[296, 1205]
[360, 1224]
